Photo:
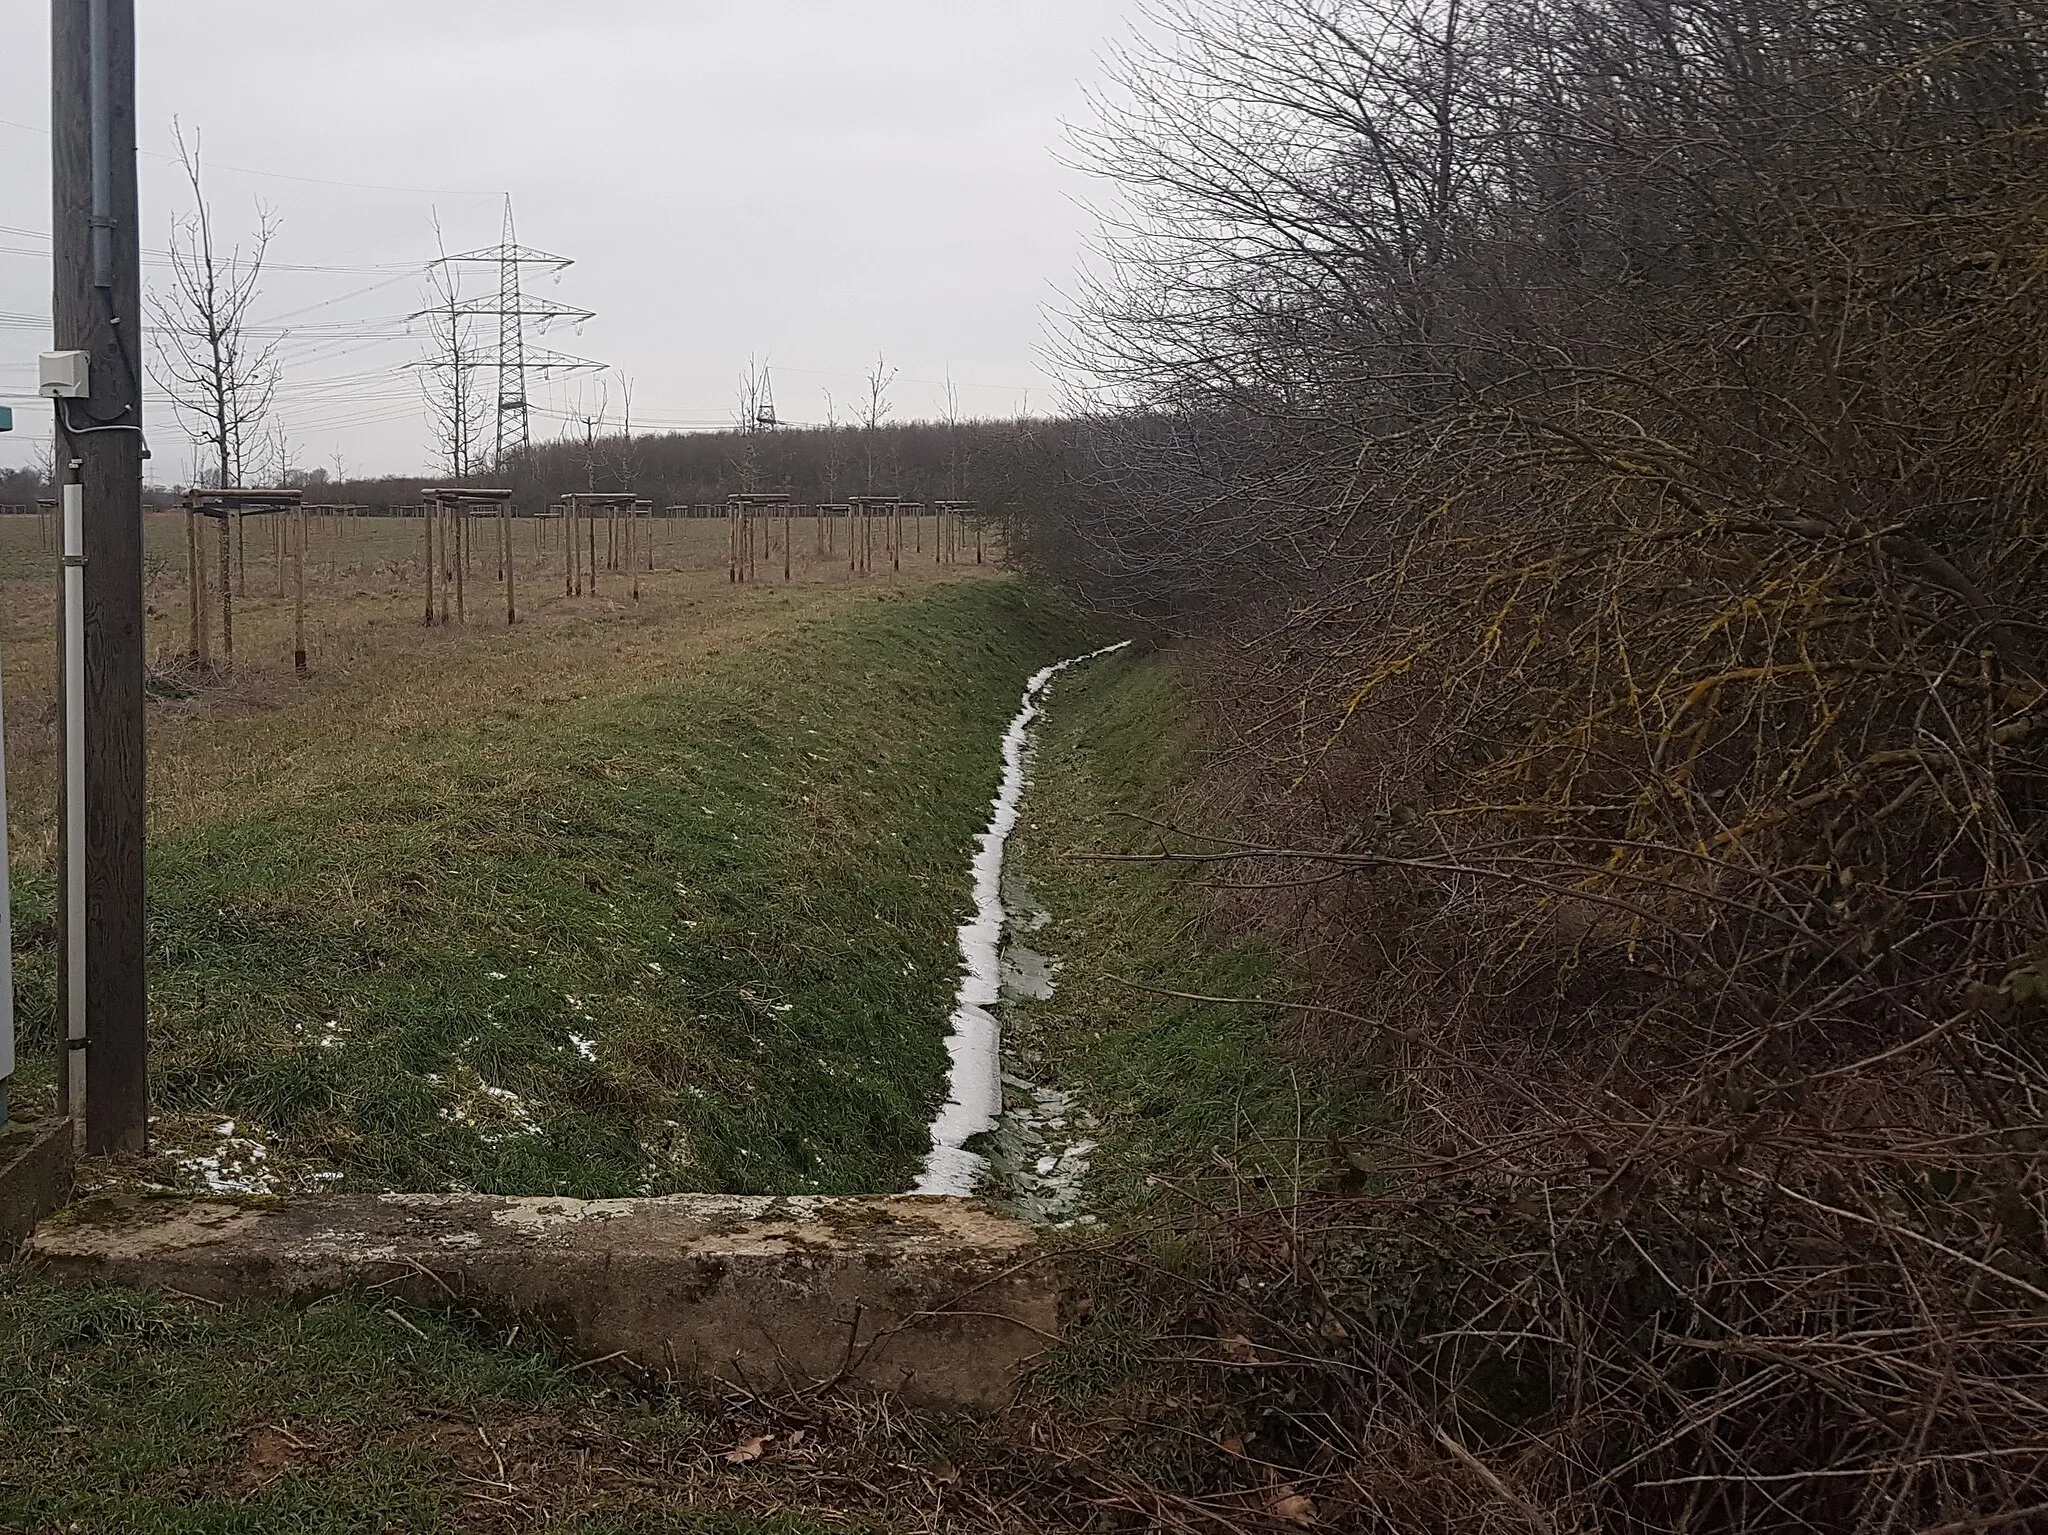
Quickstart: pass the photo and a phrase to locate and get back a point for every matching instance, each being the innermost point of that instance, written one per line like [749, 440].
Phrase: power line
[315, 181]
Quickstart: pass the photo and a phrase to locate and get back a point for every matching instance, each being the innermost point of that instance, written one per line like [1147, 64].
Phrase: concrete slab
[35, 1176]
[936, 1299]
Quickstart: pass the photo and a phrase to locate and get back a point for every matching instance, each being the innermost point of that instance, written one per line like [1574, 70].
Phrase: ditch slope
[365, 1414]
[696, 936]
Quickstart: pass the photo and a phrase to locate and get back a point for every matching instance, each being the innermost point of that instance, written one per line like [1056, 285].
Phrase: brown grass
[378, 674]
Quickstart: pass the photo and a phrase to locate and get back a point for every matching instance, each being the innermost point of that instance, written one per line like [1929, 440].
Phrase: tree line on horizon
[987, 462]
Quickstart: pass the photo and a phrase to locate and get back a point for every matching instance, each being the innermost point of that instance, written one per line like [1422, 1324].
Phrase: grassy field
[378, 672]
[635, 897]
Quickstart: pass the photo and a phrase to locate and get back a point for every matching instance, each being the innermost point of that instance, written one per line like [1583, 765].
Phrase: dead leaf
[746, 1454]
[1232, 1446]
[1238, 1349]
[1283, 1502]
[797, 1438]
[945, 1473]
[1334, 1331]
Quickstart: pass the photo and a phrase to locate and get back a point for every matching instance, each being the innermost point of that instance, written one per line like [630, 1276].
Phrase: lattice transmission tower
[515, 360]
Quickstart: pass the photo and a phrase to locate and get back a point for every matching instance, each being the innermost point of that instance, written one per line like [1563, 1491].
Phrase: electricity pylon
[513, 307]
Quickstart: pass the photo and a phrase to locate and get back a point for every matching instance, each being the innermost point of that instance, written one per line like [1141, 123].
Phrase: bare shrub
[1606, 441]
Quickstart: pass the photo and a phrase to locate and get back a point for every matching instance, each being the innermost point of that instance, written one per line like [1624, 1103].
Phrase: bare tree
[874, 411]
[835, 448]
[593, 424]
[456, 407]
[626, 454]
[282, 466]
[755, 414]
[219, 379]
[954, 475]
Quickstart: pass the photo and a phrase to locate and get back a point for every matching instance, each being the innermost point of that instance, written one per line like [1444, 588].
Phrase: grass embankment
[697, 934]
[351, 1418]
[1179, 1085]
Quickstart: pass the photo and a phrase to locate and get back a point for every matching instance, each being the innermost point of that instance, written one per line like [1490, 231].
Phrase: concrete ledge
[936, 1299]
[35, 1176]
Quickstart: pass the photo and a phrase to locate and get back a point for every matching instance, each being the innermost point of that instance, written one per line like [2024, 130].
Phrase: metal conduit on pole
[75, 1035]
[6, 940]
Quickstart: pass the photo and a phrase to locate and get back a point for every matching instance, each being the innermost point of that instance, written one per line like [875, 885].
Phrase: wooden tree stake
[195, 571]
[297, 535]
[227, 598]
[511, 605]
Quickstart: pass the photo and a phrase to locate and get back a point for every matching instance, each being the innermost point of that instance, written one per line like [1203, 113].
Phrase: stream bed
[1033, 1142]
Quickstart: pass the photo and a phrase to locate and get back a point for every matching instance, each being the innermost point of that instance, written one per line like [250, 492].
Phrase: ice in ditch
[975, 1084]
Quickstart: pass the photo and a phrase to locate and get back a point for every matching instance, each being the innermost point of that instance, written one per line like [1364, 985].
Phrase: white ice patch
[494, 1113]
[235, 1166]
[975, 1085]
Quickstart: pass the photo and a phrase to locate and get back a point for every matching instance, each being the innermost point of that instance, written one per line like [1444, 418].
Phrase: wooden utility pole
[98, 311]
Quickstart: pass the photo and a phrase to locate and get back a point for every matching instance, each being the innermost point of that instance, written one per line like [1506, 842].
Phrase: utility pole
[98, 311]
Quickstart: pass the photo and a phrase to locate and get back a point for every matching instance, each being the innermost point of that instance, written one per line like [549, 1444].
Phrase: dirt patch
[272, 1451]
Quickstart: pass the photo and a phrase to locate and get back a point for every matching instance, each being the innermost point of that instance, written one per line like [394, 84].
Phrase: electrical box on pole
[65, 376]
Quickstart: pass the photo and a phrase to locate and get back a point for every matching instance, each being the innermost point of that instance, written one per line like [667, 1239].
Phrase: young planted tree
[628, 459]
[591, 442]
[874, 411]
[459, 409]
[220, 375]
[754, 415]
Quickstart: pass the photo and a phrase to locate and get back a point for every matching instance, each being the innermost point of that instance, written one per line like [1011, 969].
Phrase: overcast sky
[809, 182]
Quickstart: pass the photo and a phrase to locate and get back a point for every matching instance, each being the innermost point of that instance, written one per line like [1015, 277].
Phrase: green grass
[1179, 1086]
[740, 890]
[124, 1414]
